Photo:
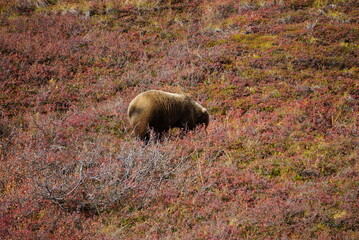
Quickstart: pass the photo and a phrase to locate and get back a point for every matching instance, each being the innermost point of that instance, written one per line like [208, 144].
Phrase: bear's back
[147, 101]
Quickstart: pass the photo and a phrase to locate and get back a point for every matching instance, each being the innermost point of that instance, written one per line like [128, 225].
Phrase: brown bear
[160, 111]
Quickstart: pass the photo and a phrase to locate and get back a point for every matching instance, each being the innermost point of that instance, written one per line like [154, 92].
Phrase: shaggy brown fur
[161, 111]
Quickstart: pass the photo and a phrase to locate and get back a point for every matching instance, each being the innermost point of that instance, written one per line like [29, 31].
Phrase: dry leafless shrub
[91, 174]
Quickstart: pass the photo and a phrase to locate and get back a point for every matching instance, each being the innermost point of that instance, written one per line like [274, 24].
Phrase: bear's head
[202, 116]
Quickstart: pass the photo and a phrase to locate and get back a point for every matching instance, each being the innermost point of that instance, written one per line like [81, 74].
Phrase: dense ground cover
[279, 159]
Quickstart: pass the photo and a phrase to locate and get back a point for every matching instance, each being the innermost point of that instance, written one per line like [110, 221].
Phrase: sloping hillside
[279, 159]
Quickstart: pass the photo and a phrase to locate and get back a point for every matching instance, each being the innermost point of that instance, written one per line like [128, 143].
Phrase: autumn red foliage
[279, 159]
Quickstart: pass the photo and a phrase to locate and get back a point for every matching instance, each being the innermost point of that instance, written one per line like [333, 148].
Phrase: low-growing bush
[277, 161]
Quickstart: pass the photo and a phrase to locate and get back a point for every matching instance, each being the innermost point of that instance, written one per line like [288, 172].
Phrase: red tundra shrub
[278, 159]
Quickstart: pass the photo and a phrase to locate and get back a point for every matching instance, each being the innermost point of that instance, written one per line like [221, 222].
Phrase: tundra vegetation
[280, 156]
